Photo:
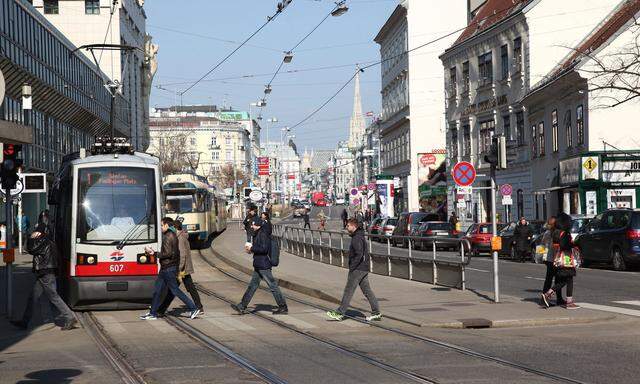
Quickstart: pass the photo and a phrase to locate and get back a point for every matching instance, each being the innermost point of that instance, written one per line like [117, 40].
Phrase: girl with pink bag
[566, 261]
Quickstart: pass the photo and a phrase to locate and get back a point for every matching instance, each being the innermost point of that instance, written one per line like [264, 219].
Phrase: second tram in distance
[202, 207]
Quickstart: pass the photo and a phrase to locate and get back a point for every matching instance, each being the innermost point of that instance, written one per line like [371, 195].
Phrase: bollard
[341, 249]
[435, 265]
[410, 261]
[304, 243]
[330, 249]
[388, 246]
[462, 266]
[370, 245]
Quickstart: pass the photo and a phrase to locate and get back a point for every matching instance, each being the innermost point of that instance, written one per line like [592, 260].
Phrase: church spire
[357, 124]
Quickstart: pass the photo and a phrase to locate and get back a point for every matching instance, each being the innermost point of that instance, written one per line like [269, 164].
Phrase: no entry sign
[464, 174]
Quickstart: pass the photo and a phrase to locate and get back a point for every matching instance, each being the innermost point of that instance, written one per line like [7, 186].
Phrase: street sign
[507, 200]
[368, 152]
[464, 174]
[15, 191]
[255, 195]
[362, 188]
[372, 186]
[464, 190]
[354, 191]
[34, 182]
[461, 204]
[506, 189]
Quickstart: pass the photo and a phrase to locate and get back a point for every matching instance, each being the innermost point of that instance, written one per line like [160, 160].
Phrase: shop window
[580, 124]
[541, 138]
[554, 130]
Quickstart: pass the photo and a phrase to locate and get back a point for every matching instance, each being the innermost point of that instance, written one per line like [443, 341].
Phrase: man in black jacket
[248, 220]
[169, 257]
[45, 265]
[261, 270]
[358, 274]
[522, 235]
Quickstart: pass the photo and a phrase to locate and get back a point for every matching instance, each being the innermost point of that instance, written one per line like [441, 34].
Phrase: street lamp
[341, 9]
[288, 56]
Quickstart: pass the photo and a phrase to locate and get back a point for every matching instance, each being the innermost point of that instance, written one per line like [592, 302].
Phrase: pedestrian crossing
[616, 309]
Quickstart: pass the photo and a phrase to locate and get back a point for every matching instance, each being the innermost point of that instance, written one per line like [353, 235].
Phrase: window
[520, 127]
[51, 7]
[485, 69]
[92, 7]
[506, 126]
[228, 156]
[580, 124]
[454, 141]
[465, 77]
[214, 141]
[452, 82]
[568, 130]
[504, 57]
[541, 138]
[517, 54]
[215, 155]
[193, 141]
[534, 143]
[227, 140]
[554, 129]
[466, 140]
[487, 130]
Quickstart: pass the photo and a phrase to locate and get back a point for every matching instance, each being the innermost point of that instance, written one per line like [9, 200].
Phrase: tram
[106, 209]
[200, 205]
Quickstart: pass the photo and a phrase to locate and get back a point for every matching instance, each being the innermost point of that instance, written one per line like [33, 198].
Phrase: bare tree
[169, 147]
[228, 179]
[614, 77]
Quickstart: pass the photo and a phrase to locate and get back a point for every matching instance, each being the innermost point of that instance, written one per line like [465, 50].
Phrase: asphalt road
[596, 285]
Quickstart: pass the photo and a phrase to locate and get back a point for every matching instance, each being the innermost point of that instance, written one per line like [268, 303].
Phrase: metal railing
[420, 262]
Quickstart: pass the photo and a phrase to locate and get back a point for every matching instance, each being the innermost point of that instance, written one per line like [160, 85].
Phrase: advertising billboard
[432, 182]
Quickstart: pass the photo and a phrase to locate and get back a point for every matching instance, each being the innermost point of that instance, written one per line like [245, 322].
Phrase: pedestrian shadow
[57, 376]
[263, 308]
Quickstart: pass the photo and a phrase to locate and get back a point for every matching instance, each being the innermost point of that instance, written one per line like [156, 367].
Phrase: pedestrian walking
[345, 218]
[251, 214]
[268, 227]
[261, 248]
[307, 219]
[185, 270]
[44, 266]
[323, 220]
[522, 239]
[169, 257]
[358, 275]
[565, 262]
[549, 237]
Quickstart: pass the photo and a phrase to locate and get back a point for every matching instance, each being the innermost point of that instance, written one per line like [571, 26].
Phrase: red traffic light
[8, 150]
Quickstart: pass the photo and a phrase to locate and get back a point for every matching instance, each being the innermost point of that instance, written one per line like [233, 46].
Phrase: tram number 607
[116, 268]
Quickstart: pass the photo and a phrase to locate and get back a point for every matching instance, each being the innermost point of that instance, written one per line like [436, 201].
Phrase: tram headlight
[143, 258]
[86, 259]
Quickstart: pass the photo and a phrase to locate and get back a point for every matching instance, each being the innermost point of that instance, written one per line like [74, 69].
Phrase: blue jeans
[255, 283]
[169, 278]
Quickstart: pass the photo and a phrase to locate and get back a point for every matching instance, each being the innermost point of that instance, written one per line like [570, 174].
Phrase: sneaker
[195, 313]
[69, 325]
[374, 317]
[148, 316]
[545, 300]
[281, 311]
[239, 308]
[19, 323]
[201, 311]
[571, 306]
[335, 315]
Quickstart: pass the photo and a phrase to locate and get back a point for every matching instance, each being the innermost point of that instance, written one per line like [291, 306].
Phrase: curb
[460, 324]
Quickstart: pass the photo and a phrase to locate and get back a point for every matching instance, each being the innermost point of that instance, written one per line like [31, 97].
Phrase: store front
[605, 180]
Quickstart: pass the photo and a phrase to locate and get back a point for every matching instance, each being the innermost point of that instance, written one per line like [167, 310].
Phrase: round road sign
[255, 195]
[464, 174]
[506, 189]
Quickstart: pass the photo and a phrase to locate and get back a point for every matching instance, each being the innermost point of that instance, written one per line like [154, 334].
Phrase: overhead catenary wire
[269, 20]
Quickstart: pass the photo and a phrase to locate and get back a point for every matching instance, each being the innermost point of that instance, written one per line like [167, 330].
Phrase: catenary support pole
[494, 225]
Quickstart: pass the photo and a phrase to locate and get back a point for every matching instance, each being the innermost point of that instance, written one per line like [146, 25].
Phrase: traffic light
[10, 165]
[497, 155]
[491, 157]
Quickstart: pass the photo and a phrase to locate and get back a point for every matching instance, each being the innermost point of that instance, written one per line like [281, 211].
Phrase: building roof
[608, 29]
[489, 15]
[397, 15]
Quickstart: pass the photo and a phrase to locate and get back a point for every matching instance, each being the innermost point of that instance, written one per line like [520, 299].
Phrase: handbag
[568, 259]
[541, 253]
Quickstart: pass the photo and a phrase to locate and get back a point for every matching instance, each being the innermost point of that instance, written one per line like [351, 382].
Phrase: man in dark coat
[358, 274]
[307, 219]
[169, 257]
[251, 214]
[260, 248]
[522, 239]
[45, 265]
[345, 217]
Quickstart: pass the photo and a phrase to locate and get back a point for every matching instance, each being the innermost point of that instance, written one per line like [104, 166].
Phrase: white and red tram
[107, 208]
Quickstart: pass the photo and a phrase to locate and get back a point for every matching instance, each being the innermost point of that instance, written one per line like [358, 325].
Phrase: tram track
[116, 359]
[427, 340]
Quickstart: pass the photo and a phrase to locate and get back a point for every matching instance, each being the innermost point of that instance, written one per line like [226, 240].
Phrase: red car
[321, 203]
[479, 236]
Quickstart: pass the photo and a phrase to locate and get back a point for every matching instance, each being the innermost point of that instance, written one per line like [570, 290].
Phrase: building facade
[70, 105]
[285, 168]
[204, 140]
[113, 22]
[411, 116]
[344, 177]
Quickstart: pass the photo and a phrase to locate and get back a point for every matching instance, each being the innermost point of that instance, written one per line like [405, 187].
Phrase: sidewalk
[408, 301]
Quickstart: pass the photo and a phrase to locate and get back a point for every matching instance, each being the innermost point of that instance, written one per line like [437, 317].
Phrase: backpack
[274, 253]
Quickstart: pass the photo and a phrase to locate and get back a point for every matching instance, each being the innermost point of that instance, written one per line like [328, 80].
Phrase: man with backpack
[263, 260]
[358, 274]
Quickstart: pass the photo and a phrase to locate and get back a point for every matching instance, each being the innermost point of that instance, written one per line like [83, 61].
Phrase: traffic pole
[8, 252]
[494, 224]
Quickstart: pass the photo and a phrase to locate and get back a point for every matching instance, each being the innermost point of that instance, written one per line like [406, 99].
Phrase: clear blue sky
[189, 37]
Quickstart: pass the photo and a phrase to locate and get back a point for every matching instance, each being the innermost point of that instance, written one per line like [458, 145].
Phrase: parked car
[388, 225]
[321, 203]
[612, 237]
[479, 236]
[375, 227]
[305, 204]
[437, 230]
[340, 201]
[409, 222]
[506, 233]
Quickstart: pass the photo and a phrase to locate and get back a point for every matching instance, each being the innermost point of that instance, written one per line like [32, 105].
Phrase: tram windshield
[115, 203]
[185, 201]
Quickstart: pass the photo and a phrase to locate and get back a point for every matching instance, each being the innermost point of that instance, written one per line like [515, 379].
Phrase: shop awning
[550, 189]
